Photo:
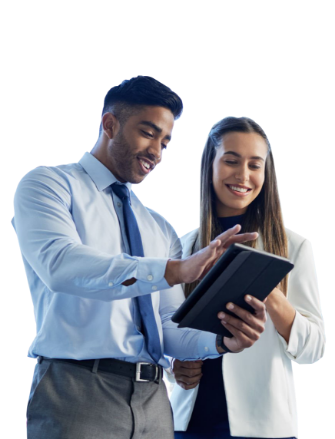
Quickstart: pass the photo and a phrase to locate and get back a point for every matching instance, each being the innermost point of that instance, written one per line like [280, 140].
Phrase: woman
[249, 394]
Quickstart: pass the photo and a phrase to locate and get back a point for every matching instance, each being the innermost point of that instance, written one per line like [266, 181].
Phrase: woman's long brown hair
[263, 214]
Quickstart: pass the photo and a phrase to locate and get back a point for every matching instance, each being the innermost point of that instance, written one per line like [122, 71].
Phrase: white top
[258, 382]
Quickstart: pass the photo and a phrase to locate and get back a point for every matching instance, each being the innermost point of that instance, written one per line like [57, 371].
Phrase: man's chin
[136, 179]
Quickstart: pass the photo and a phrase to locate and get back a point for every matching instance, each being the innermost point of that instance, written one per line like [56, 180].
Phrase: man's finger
[224, 237]
[254, 321]
[188, 379]
[242, 331]
[255, 303]
[243, 237]
[177, 364]
[186, 386]
[188, 373]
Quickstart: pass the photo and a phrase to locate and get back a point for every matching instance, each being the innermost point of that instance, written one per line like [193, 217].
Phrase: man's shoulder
[60, 171]
[51, 181]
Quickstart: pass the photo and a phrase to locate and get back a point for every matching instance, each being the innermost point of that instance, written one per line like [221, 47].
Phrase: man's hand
[187, 373]
[246, 331]
[197, 265]
[129, 282]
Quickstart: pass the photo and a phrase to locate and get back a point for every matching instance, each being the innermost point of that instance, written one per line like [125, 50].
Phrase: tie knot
[121, 191]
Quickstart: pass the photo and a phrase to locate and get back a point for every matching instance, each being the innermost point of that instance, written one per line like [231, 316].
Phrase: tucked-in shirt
[72, 237]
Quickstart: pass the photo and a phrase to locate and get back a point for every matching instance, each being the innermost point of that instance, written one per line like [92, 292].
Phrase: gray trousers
[68, 401]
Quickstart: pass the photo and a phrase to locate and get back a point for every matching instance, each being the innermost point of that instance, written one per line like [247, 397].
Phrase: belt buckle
[138, 372]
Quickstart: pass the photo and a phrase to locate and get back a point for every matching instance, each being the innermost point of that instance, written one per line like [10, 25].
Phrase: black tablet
[240, 270]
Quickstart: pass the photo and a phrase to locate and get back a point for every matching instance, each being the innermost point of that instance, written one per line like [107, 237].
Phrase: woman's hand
[281, 312]
[187, 373]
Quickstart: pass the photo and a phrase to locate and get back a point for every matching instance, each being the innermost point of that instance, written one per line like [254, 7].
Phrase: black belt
[140, 372]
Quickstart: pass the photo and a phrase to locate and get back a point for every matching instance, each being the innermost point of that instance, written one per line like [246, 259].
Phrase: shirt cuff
[151, 272]
[299, 333]
[207, 346]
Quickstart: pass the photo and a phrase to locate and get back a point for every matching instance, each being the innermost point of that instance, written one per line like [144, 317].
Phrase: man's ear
[110, 125]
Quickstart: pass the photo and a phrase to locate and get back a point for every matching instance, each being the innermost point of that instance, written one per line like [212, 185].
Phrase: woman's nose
[242, 174]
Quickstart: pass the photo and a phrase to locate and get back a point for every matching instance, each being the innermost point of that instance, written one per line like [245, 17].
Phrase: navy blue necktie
[136, 249]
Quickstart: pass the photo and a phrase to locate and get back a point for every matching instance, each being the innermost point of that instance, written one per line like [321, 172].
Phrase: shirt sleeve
[182, 343]
[50, 244]
[307, 339]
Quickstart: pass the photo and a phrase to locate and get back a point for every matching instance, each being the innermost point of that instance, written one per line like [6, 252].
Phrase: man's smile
[145, 164]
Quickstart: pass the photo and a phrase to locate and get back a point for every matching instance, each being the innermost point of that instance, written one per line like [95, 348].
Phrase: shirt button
[118, 204]
[154, 288]
[150, 277]
[206, 349]
[110, 284]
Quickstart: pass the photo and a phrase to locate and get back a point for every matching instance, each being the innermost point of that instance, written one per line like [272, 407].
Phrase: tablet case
[240, 270]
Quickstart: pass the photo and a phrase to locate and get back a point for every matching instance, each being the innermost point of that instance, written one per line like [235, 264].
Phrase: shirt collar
[101, 176]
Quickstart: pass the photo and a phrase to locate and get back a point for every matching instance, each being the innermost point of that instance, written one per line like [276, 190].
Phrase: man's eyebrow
[238, 155]
[154, 127]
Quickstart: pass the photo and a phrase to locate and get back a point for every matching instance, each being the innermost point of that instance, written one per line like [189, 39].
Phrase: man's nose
[155, 150]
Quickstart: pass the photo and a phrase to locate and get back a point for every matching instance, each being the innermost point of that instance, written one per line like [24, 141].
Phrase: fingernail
[230, 306]
[221, 315]
[248, 298]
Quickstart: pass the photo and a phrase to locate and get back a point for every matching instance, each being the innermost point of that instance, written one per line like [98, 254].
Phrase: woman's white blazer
[258, 382]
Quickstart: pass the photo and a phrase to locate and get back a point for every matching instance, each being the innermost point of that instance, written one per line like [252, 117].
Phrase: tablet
[240, 270]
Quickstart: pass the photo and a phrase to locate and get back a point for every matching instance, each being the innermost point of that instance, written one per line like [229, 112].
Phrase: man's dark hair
[132, 94]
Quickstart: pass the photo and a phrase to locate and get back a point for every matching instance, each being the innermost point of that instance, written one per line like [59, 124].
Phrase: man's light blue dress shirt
[72, 237]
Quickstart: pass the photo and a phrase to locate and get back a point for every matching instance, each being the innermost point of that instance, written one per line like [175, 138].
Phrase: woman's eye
[230, 162]
[255, 167]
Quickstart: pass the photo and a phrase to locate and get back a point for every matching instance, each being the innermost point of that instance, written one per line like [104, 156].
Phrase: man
[104, 274]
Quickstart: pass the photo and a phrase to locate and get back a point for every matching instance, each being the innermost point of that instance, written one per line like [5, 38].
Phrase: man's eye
[147, 134]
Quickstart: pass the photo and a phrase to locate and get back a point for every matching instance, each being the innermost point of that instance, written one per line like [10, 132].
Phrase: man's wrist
[220, 345]
[172, 272]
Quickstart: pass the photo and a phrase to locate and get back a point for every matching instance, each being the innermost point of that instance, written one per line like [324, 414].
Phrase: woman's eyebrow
[238, 155]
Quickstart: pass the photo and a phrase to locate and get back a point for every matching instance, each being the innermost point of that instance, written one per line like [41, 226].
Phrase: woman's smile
[238, 172]
[238, 190]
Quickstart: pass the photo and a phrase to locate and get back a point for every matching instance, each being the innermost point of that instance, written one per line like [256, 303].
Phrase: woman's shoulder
[190, 236]
[293, 238]
[187, 242]
[296, 243]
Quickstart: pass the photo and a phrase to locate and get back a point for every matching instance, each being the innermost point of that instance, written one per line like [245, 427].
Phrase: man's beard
[123, 157]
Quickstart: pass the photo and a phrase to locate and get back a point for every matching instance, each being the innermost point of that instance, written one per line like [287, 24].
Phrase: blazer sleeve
[307, 339]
